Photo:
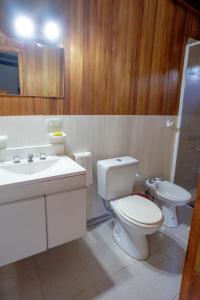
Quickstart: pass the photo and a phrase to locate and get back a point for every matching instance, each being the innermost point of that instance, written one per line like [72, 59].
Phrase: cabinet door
[66, 217]
[22, 229]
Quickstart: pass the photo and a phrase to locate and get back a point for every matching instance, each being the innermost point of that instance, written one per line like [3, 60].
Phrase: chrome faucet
[30, 157]
[16, 159]
[42, 156]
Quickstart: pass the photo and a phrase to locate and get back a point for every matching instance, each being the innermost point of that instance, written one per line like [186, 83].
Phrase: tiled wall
[144, 137]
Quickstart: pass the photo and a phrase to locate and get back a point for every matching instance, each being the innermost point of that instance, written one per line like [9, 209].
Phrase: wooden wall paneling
[32, 105]
[189, 4]
[126, 57]
[66, 46]
[176, 60]
[121, 56]
[43, 71]
[192, 26]
[74, 44]
[11, 106]
[141, 103]
[128, 51]
[39, 10]
[161, 57]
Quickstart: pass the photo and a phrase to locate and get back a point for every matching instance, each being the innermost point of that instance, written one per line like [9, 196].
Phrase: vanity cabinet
[31, 226]
[66, 216]
[22, 229]
[42, 205]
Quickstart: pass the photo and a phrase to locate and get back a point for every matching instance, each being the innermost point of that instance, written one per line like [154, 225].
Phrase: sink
[40, 177]
[53, 166]
[30, 168]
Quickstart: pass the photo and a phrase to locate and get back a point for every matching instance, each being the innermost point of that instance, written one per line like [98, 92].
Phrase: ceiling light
[52, 31]
[24, 26]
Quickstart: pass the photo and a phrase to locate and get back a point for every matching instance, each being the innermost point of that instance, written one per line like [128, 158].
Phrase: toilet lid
[140, 210]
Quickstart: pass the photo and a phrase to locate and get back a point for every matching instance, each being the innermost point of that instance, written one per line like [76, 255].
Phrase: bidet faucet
[30, 157]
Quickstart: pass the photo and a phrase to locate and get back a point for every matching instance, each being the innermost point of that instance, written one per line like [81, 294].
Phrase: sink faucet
[30, 157]
[16, 159]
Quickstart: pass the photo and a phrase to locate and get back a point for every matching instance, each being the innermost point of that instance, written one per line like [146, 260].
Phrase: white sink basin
[53, 166]
[40, 177]
[30, 168]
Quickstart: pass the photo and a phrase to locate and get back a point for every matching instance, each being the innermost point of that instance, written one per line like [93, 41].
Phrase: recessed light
[52, 31]
[24, 26]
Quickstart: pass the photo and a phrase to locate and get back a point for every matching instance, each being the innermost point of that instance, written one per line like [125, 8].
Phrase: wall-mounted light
[24, 26]
[52, 31]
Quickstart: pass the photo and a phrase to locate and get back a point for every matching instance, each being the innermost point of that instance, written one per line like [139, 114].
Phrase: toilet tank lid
[117, 162]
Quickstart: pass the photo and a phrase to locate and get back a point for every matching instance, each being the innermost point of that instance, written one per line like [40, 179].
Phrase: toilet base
[170, 216]
[135, 245]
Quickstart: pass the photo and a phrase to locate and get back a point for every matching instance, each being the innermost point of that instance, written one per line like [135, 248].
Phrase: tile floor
[94, 268]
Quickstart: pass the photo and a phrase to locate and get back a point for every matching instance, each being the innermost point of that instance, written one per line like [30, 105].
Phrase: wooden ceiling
[121, 57]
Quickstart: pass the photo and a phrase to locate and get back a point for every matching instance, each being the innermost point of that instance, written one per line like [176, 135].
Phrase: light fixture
[52, 31]
[24, 26]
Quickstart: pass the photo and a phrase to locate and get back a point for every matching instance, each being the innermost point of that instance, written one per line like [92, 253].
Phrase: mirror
[9, 73]
[30, 69]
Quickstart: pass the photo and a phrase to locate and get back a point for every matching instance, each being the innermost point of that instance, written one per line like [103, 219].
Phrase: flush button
[118, 159]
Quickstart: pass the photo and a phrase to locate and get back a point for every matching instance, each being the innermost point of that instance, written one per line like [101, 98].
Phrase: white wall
[144, 137]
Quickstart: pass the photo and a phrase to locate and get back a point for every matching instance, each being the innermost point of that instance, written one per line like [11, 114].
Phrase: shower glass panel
[188, 156]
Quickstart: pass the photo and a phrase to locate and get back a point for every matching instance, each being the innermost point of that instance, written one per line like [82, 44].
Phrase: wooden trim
[188, 6]
[10, 49]
[30, 97]
[20, 68]
[189, 272]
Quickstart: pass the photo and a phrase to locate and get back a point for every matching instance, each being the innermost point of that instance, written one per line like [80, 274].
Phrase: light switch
[53, 124]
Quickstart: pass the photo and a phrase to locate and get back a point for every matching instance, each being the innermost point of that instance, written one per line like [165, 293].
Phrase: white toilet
[136, 216]
[168, 196]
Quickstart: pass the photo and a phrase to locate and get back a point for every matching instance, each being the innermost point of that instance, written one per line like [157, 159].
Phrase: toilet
[136, 216]
[168, 196]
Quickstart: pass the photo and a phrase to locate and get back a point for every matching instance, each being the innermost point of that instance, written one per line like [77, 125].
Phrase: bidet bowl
[172, 194]
[168, 196]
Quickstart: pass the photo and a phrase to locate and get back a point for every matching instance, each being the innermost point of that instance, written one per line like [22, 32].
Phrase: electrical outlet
[53, 124]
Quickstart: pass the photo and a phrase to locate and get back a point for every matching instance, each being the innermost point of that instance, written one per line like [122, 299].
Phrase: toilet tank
[116, 177]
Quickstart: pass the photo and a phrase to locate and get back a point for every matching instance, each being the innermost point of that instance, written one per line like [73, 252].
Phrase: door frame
[189, 287]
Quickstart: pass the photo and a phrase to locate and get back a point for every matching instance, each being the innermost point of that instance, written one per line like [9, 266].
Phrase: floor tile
[126, 284]
[161, 274]
[175, 252]
[100, 255]
[157, 241]
[61, 273]
[19, 281]
[95, 268]
[179, 234]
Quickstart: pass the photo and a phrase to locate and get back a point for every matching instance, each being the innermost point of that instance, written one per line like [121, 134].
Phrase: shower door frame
[180, 111]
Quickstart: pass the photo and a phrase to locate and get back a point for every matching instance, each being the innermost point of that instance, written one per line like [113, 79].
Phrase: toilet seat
[172, 192]
[139, 210]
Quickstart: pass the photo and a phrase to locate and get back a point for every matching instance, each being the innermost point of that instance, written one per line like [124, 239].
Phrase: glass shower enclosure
[187, 165]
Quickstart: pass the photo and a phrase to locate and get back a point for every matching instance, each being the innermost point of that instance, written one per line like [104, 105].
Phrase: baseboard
[100, 219]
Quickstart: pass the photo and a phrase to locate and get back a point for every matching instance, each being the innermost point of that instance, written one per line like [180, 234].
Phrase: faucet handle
[16, 159]
[30, 157]
[42, 156]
